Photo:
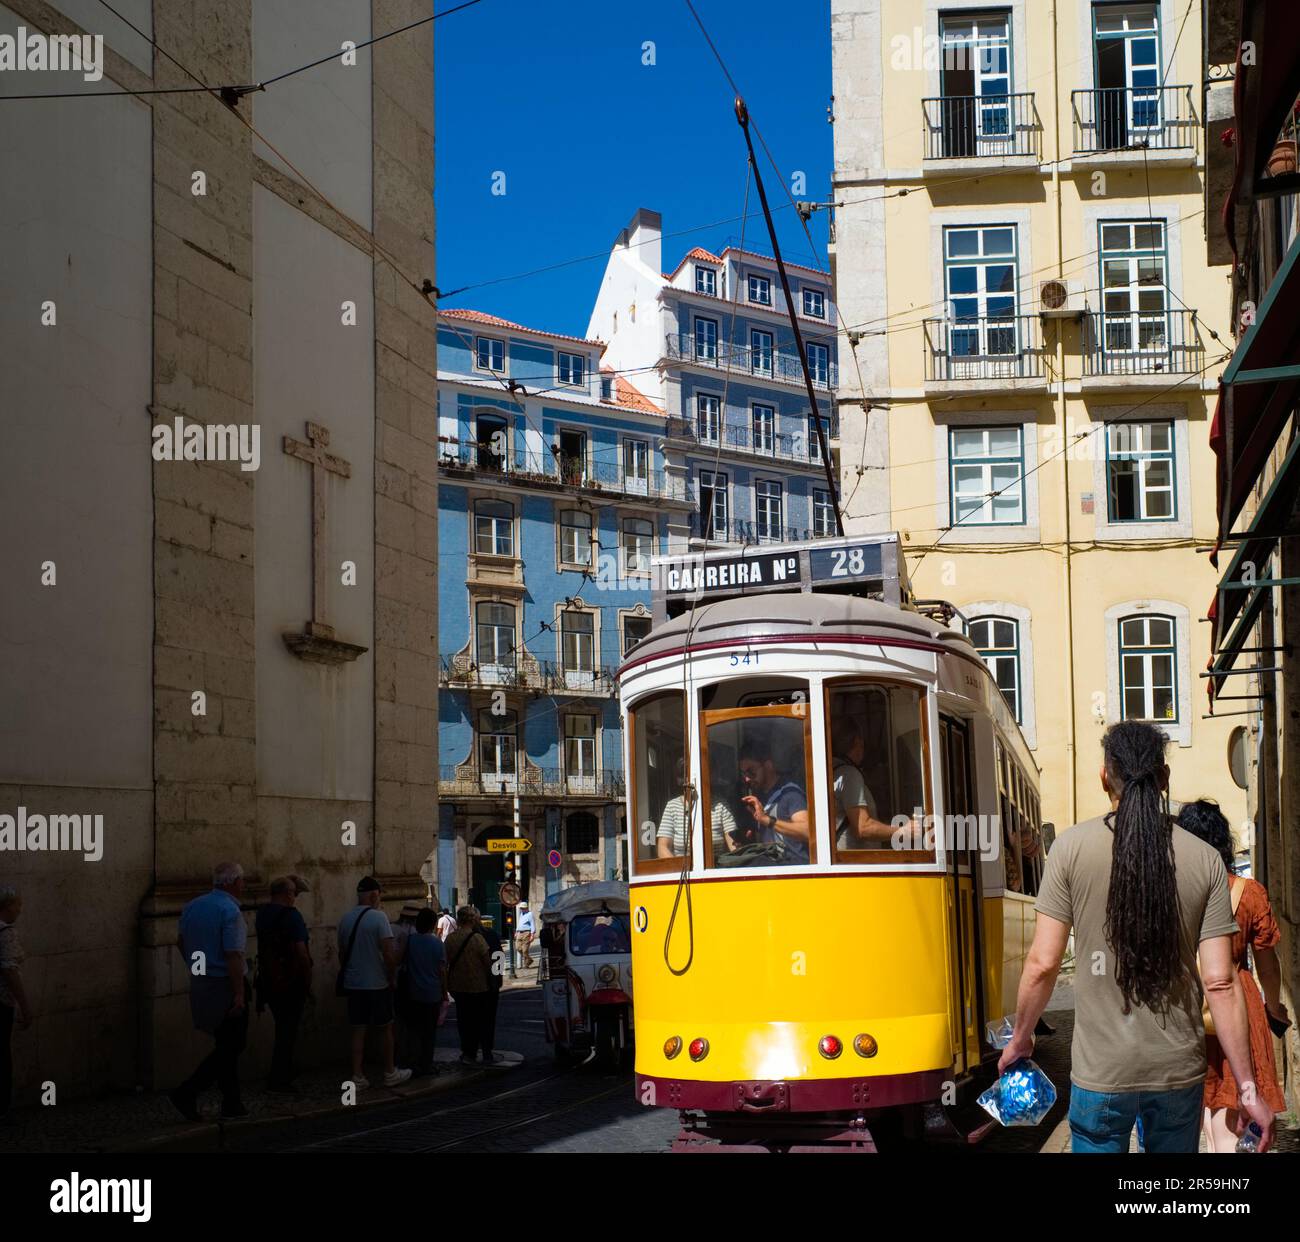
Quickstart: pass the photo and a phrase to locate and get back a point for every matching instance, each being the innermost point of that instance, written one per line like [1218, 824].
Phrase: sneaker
[490, 1058]
[397, 1077]
[359, 1081]
[185, 1104]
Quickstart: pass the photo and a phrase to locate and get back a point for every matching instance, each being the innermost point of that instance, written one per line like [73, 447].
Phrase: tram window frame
[654, 865]
[801, 711]
[891, 855]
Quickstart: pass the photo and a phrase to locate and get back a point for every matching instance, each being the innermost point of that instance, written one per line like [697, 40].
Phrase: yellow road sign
[509, 845]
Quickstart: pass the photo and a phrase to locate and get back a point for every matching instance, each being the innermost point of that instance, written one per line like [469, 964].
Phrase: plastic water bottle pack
[1022, 1096]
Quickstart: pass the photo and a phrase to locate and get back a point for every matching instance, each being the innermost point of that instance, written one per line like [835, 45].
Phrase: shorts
[370, 1006]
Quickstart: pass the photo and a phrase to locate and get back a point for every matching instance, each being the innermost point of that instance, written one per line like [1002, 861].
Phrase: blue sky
[555, 96]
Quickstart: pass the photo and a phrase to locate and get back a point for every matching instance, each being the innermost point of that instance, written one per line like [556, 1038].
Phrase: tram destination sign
[850, 560]
[699, 575]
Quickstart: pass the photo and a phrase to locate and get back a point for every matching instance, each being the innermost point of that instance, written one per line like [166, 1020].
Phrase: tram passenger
[779, 807]
[858, 826]
[673, 835]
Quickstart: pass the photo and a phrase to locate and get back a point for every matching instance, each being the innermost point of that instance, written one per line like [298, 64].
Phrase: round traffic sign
[509, 894]
[554, 858]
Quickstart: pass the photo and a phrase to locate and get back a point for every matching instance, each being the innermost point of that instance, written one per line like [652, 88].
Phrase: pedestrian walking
[284, 969]
[425, 968]
[525, 933]
[15, 1008]
[446, 924]
[1142, 895]
[1257, 931]
[468, 969]
[368, 966]
[496, 981]
[212, 939]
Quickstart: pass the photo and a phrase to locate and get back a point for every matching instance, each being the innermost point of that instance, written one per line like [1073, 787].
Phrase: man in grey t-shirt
[368, 955]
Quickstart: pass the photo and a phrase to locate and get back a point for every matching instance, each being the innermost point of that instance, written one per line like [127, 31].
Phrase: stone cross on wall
[317, 641]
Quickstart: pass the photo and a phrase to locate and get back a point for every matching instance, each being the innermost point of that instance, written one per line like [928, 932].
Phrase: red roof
[698, 253]
[633, 398]
[473, 316]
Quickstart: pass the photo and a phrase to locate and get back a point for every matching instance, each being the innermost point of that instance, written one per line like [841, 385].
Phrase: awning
[1237, 603]
[1257, 393]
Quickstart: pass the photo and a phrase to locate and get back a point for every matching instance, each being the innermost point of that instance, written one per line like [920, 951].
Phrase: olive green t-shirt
[1143, 1050]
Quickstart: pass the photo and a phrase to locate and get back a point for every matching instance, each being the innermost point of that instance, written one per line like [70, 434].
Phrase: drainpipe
[1067, 586]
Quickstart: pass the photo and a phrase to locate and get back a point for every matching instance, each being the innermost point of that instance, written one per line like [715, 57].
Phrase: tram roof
[800, 615]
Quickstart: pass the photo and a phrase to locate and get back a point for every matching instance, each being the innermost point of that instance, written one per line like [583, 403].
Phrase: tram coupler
[729, 1134]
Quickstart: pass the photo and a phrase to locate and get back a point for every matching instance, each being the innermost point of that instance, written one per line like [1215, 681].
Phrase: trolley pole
[516, 856]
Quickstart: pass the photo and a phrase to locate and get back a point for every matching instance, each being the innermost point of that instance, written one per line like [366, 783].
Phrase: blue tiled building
[711, 342]
[555, 492]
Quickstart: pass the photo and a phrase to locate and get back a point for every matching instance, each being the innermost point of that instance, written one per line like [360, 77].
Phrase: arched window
[1148, 684]
[494, 528]
[997, 639]
[582, 833]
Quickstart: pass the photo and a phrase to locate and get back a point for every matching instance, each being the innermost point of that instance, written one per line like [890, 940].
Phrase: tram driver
[779, 807]
[858, 826]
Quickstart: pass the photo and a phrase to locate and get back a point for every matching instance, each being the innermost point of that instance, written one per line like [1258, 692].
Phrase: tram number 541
[745, 658]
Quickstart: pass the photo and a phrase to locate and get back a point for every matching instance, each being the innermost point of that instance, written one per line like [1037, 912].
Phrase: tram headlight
[672, 1046]
[607, 974]
[830, 1046]
[865, 1046]
[699, 1049]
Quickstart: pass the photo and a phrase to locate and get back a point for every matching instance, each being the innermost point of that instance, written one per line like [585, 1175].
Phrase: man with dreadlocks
[1144, 898]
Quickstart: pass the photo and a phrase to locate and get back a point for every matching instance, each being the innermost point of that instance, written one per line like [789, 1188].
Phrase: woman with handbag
[1258, 932]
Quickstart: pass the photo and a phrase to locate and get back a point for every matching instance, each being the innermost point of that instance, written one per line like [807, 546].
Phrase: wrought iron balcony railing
[1114, 118]
[1165, 342]
[554, 470]
[801, 447]
[984, 348]
[460, 670]
[963, 127]
[685, 347]
[747, 531]
[465, 781]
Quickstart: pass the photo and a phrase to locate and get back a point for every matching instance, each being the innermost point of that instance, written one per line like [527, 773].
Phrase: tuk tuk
[586, 971]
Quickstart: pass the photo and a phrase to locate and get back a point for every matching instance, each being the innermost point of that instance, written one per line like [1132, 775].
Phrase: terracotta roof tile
[473, 316]
[632, 397]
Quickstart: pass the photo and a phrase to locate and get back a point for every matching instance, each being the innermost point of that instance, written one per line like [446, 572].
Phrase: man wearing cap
[283, 973]
[368, 959]
[525, 930]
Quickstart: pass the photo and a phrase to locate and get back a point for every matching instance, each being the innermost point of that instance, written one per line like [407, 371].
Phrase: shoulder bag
[339, 989]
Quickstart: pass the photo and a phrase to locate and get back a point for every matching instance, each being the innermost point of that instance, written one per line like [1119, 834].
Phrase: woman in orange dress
[1256, 930]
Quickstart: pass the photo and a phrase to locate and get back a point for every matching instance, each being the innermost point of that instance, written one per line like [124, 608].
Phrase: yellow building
[1020, 265]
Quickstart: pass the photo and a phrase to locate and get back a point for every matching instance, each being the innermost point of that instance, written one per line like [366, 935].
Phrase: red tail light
[830, 1047]
[699, 1049]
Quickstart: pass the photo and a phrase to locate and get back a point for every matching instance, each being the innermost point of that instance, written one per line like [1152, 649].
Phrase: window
[814, 444]
[573, 370]
[767, 509]
[1135, 316]
[708, 414]
[760, 290]
[877, 782]
[571, 456]
[819, 363]
[634, 630]
[578, 641]
[814, 303]
[575, 537]
[1140, 472]
[981, 282]
[600, 934]
[997, 639]
[607, 388]
[582, 833]
[638, 545]
[495, 640]
[760, 353]
[494, 528]
[1127, 49]
[636, 467]
[706, 280]
[580, 753]
[714, 506]
[491, 442]
[497, 749]
[658, 778]
[489, 353]
[1148, 687]
[764, 417]
[706, 340]
[823, 514]
[976, 84]
[987, 486]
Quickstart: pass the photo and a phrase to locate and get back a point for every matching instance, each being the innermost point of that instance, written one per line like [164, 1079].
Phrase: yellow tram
[801, 973]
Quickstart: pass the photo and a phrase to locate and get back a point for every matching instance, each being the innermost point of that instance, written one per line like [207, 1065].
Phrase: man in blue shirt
[525, 930]
[779, 807]
[212, 939]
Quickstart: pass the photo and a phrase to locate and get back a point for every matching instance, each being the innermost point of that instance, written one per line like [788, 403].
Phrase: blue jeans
[1102, 1121]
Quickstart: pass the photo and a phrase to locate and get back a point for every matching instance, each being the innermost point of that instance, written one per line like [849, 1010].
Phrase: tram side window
[758, 812]
[877, 777]
[658, 778]
[1010, 830]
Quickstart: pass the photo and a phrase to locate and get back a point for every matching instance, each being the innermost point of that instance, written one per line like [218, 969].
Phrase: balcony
[570, 474]
[1140, 349]
[990, 353]
[462, 780]
[744, 532]
[981, 129]
[460, 671]
[800, 449]
[1152, 119]
[742, 360]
